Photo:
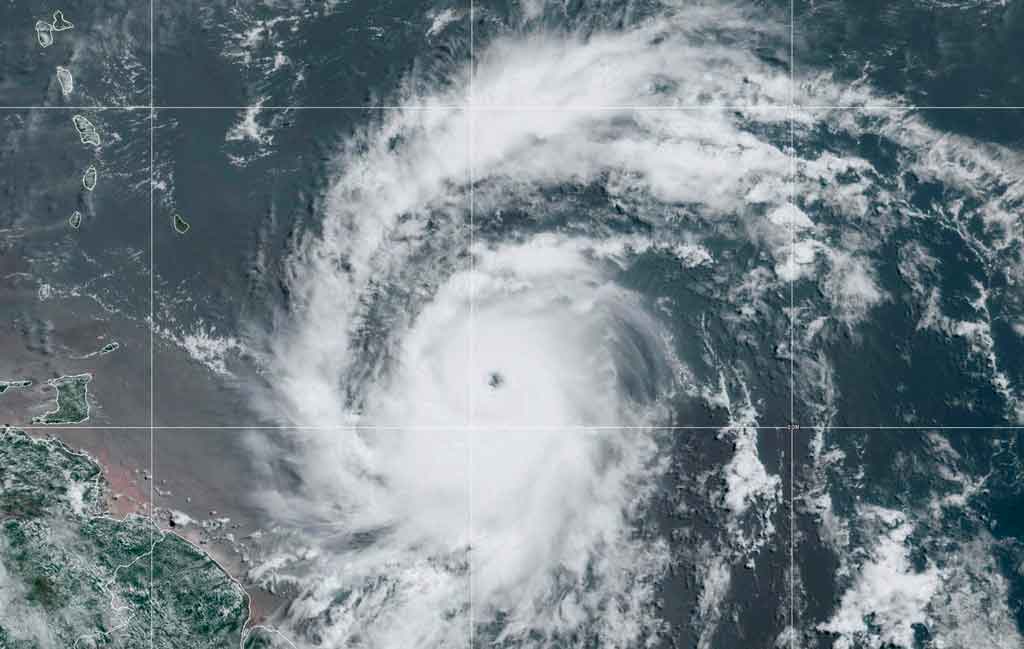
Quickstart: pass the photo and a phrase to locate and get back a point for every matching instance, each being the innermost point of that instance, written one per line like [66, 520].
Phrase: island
[45, 30]
[44, 33]
[60, 23]
[86, 131]
[17, 383]
[66, 81]
[89, 178]
[72, 400]
[181, 226]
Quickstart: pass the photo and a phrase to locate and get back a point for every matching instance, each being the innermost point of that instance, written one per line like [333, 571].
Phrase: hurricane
[531, 271]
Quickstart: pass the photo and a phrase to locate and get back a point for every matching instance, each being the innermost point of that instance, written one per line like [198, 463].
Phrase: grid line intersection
[471, 109]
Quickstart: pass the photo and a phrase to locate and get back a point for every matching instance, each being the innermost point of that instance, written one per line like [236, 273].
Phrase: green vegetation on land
[75, 577]
[181, 226]
[44, 34]
[89, 178]
[66, 81]
[60, 23]
[20, 383]
[86, 130]
[45, 30]
[72, 400]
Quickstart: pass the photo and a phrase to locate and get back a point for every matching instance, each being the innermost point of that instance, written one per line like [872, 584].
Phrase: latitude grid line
[480, 427]
[534, 108]
[470, 108]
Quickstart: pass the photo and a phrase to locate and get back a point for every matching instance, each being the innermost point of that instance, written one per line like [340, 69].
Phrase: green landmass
[86, 130]
[44, 33]
[66, 81]
[181, 226]
[20, 383]
[60, 23]
[72, 401]
[89, 178]
[102, 351]
[73, 576]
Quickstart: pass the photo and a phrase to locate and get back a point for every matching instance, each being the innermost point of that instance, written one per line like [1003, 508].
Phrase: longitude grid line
[471, 127]
[152, 324]
[471, 119]
[790, 107]
[792, 320]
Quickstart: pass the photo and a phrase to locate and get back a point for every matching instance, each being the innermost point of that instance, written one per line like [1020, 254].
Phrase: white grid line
[497, 428]
[152, 323]
[471, 405]
[793, 256]
[792, 107]
[540, 107]
[792, 319]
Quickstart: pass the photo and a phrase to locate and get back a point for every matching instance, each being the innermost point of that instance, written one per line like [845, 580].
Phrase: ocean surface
[538, 324]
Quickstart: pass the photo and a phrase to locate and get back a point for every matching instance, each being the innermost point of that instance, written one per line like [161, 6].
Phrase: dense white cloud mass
[533, 526]
[409, 317]
[401, 544]
[888, 591]
[928, 567]
[402, 183]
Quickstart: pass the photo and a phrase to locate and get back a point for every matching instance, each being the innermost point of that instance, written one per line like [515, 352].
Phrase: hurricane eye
[495, 380]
